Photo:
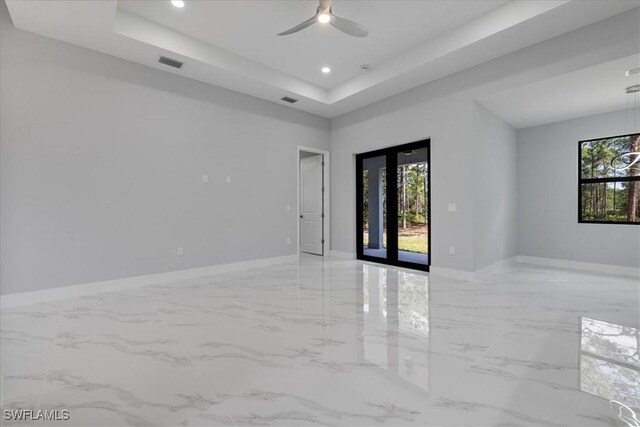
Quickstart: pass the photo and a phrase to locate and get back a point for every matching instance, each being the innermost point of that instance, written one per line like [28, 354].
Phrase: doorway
[312, 201]
[393, 205]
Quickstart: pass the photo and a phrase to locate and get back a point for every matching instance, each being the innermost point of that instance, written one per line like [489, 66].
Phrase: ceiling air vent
[289, 100]
[170, 62]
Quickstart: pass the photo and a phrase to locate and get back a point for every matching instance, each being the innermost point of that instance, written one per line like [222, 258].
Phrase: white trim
[494, 268]
[467, 276]
[576, 265]
[470, 276]
[521, 259]
[342, 255]
[64, 292]
[327, 197]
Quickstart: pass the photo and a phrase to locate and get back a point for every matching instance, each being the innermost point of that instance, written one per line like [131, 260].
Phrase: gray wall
[102, 163]
[473, 165]
[548, 195]
[398, 120]
[495, 184]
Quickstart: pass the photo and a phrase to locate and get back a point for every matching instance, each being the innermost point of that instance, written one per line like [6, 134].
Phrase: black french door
[393, 205]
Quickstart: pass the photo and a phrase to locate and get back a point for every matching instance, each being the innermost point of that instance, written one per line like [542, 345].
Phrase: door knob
[301, 216]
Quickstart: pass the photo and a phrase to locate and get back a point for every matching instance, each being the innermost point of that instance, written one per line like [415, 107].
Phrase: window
[609, 180]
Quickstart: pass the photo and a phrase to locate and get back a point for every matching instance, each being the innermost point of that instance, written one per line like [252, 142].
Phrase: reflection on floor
[334, 342]
[610, 361]
[413, 257]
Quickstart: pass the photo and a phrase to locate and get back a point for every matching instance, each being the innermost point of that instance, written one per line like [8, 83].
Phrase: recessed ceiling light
[177, 3]
[323, 18]
[326, 70]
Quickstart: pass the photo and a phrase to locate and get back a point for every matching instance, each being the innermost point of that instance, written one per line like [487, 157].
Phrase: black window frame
[392, 200]
[582, 181]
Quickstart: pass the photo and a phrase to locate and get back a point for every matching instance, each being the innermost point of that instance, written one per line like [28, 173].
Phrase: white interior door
[311, 206]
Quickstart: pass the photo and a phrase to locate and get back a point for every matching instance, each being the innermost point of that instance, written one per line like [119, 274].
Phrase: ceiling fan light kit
[323, 18]
[324, 15]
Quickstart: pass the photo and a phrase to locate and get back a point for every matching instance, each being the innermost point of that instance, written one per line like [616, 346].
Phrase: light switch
[228, 180]
[288, 208]
[453, 207]
[205, 178]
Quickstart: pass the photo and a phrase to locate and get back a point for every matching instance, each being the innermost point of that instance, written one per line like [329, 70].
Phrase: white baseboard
[470, 276]
[576, 265]
[45, 295]
[548, 262]
[342, 255]
[467, 276]
[495, 267]
[63, 292]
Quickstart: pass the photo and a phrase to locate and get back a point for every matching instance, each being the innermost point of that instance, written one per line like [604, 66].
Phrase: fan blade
[299, 27]
[349, 27]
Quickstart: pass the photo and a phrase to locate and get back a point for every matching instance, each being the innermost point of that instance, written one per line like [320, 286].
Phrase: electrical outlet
[180, 252]
[452, 250]
[288, 240]
[205, 178]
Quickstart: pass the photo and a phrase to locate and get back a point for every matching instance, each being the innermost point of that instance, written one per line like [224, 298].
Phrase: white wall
[102, 160]
[548, 195]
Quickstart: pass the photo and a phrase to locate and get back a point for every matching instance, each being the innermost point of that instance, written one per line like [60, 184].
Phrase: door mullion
[392, 206]
[359, 206]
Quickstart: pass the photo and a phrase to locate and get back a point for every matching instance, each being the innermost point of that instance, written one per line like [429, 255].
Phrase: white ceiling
[592, 90]
[248, 28]
[233, 44]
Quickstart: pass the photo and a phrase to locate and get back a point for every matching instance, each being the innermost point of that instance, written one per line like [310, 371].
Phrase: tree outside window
[609, 180]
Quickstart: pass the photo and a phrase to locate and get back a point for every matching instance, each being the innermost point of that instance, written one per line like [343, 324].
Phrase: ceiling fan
[324, 15]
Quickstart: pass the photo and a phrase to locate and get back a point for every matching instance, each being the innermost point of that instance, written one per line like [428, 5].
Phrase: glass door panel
[374, 207]
[413, 211]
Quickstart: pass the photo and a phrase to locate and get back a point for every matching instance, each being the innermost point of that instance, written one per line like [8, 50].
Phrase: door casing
[326, 197]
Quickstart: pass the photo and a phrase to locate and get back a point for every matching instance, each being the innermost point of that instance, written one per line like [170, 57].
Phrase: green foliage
[412, 206]
[412, 194]
[414, 243]
[407, 241]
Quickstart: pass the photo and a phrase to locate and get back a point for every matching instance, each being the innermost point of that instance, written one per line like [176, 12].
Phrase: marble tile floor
[337, 343]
